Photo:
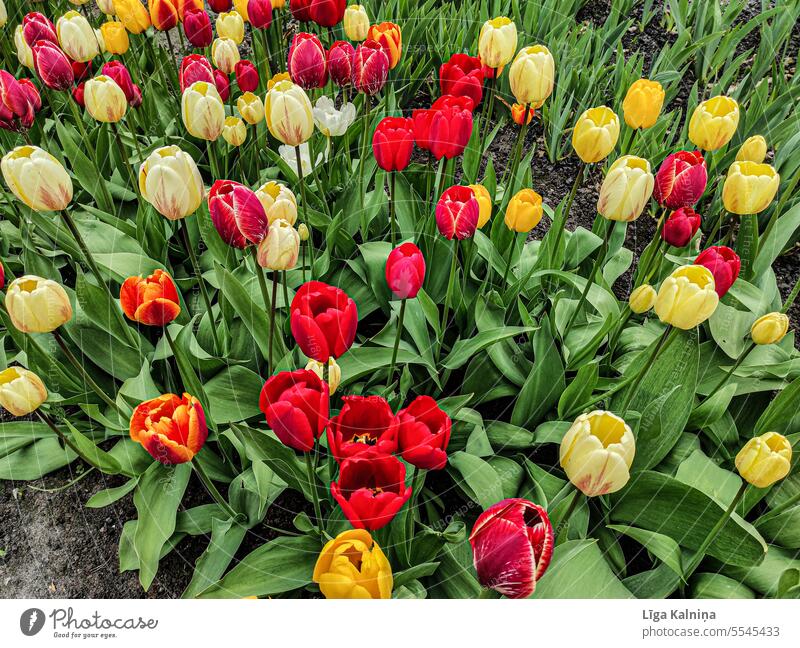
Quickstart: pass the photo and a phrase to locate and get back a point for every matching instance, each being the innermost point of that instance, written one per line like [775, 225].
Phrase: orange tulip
[152, 301]
[172, 429]
[389, 37]
[163, 14]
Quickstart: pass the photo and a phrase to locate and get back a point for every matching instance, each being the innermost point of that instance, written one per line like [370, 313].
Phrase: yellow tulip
[37, 305]
[241, 8]
[105, 100]
[106, 7]
[749, 187]
[24, 52]
[37, 178]
[595, 134]
[133, 15]
[21, 391]
[278, 4]
[687, 297]
[116, 37]
[356, 22]
[334, 372]
[234, 132]
[626, 189]
[3, 14]
[277, 78]
[484, 202]
[497, 42]
[597, 452]
[278, 202]
[230, 24]
[280, 248]
[76, 37]
[713, 123]
[524, 211]
[770, 328]
[225, 54]
[754, 149]
[302, 230]
[289, 114]
[642, 299]
[532, 75]
[764, 459]
[203, 111]
[170, 181]
[352, 566]
[642, 104]
[250, 107]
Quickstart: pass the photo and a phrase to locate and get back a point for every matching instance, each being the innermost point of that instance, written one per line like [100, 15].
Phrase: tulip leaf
[108, 496]
[711, 409]
[482, 483]
[718, 586]
[35, 460]
[771, 246]
[226, 538]
[233, 394]
[89, 452]
[780, 411]
[463, 350]
[661, 546]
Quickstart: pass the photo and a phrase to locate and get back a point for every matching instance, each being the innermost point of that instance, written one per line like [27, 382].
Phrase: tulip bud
[295, 404]
[532, 75]
[119, 73]
[352, 566]
[259, 13]
[163, 14]
[230, 25]
[203, 111]
[3, 14]
[171, 428]
[21, 391]
[77, 94]
[37, 305]
[31, 93]
[393, 142]
[642, 104]
[280, 247]
[597, 453]
[301, 10]
[133, 15]
[237, 214]
[723, 263]
[340, 63]
[754, 149]
[307, 62]
[152, 301]
[334, 372]
[370, 68]
[289, 114]
[497, 41]
[713, 123]
[524, 211]
[37, 178]
[234, 131]
[222, 84]
[250, 107]
[225, 54]
[446, 128]
[302, 230]
[484, 203]
[518, 114]
[462, 76]
[749, 187]
[279, 202]
[405, 271]
[626, 189]
[76, 37]
[105, 101]
[52, 66]
[764, 459]
[356, 23]
[115, 37]
[36, 27]
[687, 297]
[17, 107]
[24, 53]
[681, 179]
[680, 227]
[327, 13]
[197, 27]
[642, 299]
[389, 37]
[246, 76]
[595, 134]
[457, 213]
[323, 320]
[170, 181]
[770, 328]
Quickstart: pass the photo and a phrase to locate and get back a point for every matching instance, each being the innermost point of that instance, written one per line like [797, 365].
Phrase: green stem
[285, 290]
[203, 291]
[212, 490]
[51, 424]
[565, 214]
[730, 371]
[450, 280]
[563, 525]
[397, 337]
[517, 154]
[272, 321]
[792, 296]
[509, 257]
[312, 484]
[417, 484]
[489, 109]
[391, 205]
[664, 341]
[302, 182]
[124, 154]
[365, 139]
[598, 262]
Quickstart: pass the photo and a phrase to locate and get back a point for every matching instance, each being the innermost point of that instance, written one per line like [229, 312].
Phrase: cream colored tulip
[21, 391]
[76, 37]
[749, 187]
[642, 299]
[106, 7]
[278, 202]
[3, 14]
[234, 132]
[280, 247]
[595, 134]
[626, 189]
[713, 123]
[334, 372]
[230, 24]
[250, 107]
[356, 22]
[225, 54]
[37, 179]
[687, 297]
[532, 75]
[289, 113]
[203, 111]
[24, 52]
[764, 459]
[497, 42]
[105, 100]
[37, 305]
[170, 181]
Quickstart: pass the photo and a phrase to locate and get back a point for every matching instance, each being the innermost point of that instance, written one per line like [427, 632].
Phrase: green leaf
[233, 394]
[661, 546]
[107, 496]
[90, 453]
[226, 538]
[781, 410]
[482, 482]
[464, 350]
[35, 460]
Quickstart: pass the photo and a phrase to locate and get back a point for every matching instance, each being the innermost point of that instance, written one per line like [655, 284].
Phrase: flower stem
[792, 296]
[301, 181]
[565, 214]
[124, 155]
[397, 337]
[52, 425]
[203, 291]
[730, 371]
[598, 262]
[365, 139]
[212, 490]
[417, 484]
[450, 282]
[667, 337]
[563, 525]
[391, 205]
[272, 321]
[312, 484]
[508, 260]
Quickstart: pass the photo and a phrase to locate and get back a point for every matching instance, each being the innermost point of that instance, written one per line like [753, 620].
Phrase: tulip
[484, 203]
[24, 53]
[446, 128]
[681, 180]
[524, 211]
[289, 155]
[21, 391]
[37, 27]
[197, 27]
[278, 201]
[219, 6]
[230, 25]
[352, 566]
[203, 111]
[259, 13]
[356, 23]
[295, 404]
[37, 305]
[289, 114]
[250, 107]
[713, 123]
[334, 372]
[3, 14]
[595, 134]
[246, 76]
[462, 76]
[330, 121]
[223, 85]
[17, 110]
[642, 299]
[532, 75]
[770, 328]
[307, 62]
[370, 68]
[497, 41]
[327, 13]
[52, 66]
[687, 297]
[597, 452]
[393, 142]
[457, 213]
[76, 37]
[106, 7]
[279, 249]
[163, 14]
[371, 489]
[133, 15]
[152, 301]
[225, 54]
[723, 263]
[754, 149]
[626, 189]
[424, 433]
[234, 132]
[37, 179]
[390, 38]
[170, 181]
[764, 459]
[405, 271]
[642, 104]
[680, 227]
[77, 95]
[749, 187]
[171, 428]
[512, 543]
[364, 422]
[195, 67]
[340, 63]
[120, 75]
[115, 37]
[237, 214]
[518, 114]
[105, 101]
[323, 320]
[31, 93]
[81, 71]
[301, 10]
[185, 7]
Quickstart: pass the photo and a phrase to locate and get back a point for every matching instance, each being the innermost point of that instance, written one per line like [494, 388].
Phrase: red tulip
[323, 320]
[32, 93]
[301, 10]
[371, 489]
[490, 72]
[462, 76]
[246, 76]
[81, 71]
[327, 13]
[222, 84]
[457, 213]
[222, 5]
[77, 94]
[445, 128]
[364, 422]
[681, 226]
[424, 434]
[152, 301]
[237, 213]
[512, 543]
[307, 63]
[184, 7]
[393, 142]
[340, 63]
[36, 27]
[2, 276]
[197, 27]
[136, 100]
[259, 13]
[195, 67]
[52, 65]
[370, 67]
[163, 15]
[295, 404]
[172, 429]
[120, 74]
[16, 108]
[724, 264]
[405, 271]
[681, 179]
